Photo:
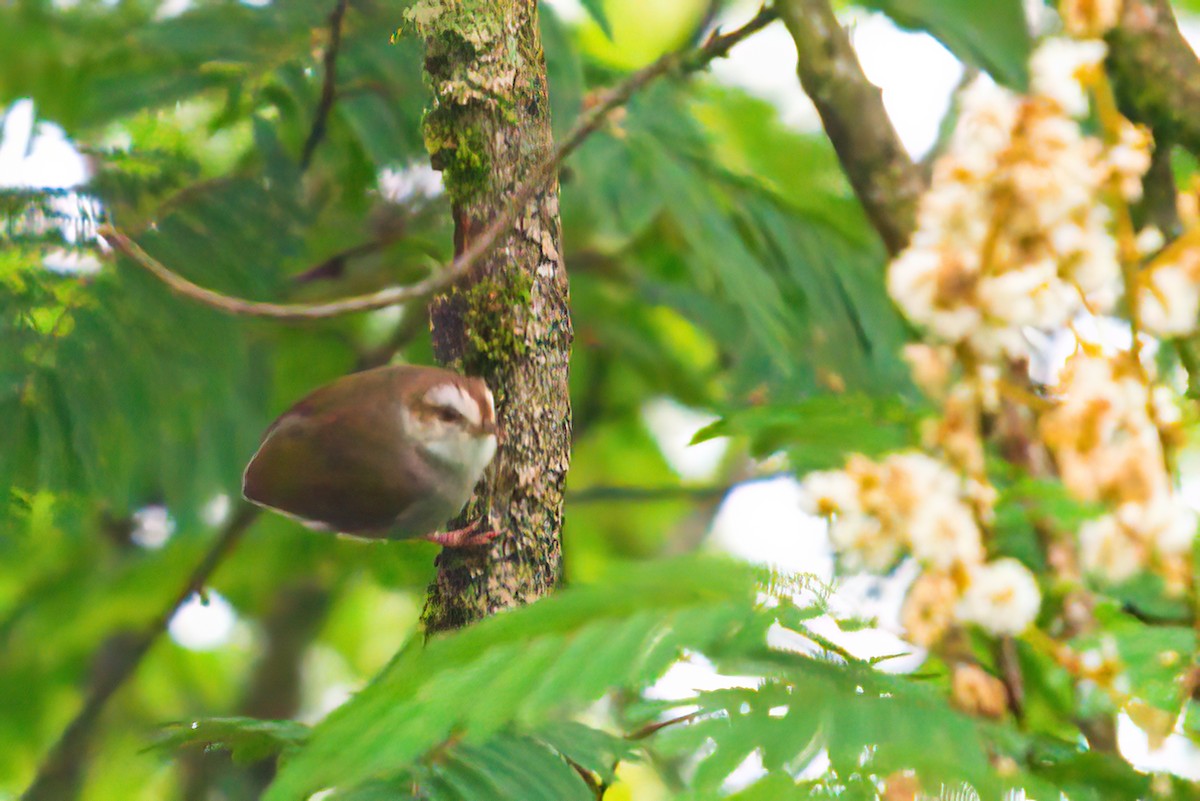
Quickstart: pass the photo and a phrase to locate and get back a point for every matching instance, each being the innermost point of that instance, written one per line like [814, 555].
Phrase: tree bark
[1156, 72]
[508, 320]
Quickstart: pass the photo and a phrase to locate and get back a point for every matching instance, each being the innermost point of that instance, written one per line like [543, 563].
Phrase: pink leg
[466, 537]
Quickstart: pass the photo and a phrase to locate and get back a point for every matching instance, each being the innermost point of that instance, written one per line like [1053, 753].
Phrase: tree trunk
[508, 321]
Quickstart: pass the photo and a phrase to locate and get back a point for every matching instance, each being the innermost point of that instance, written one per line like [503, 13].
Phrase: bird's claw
[465, 537]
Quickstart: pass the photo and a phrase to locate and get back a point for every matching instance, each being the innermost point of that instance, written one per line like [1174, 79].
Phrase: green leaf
[1049, 693]
[1146, 595]
[595, 9]
[819, 431]
[992, 35]
[785, 277]
[1153, 657]
[1086, 774]
[249, 740]
[773, 787]
[864, 719]
[596, 750]
[577, 644]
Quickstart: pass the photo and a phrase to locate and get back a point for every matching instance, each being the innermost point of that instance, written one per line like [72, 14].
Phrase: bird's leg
[465, 537]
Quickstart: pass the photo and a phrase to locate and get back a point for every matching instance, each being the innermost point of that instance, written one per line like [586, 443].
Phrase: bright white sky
[760, 521]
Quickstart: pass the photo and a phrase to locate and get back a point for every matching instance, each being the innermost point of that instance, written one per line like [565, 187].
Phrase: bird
[389, 453]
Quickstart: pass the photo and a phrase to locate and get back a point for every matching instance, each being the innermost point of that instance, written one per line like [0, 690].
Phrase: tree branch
[58, 775]
[621, 494]
[717, 46]
[273, 691]
[604, 493]
[325, 105]
[1157, 75]
[885, 179]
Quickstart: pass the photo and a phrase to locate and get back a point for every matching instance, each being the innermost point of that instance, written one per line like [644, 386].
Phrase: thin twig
[652, 728]
[59, 768]
[1009, 663]
[596, 788]
[325, 105]
[829, 645]
[602, 493]
[619, 494]
[592, 120]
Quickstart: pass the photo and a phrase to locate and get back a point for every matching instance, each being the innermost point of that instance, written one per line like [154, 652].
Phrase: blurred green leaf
[593, 749]
[247, 739]
[1147, 595]
[820, 431]
[1150, 656]
[477, 680]
[595, 9]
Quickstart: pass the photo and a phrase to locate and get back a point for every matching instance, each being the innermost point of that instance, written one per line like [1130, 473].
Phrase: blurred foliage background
[718, 263]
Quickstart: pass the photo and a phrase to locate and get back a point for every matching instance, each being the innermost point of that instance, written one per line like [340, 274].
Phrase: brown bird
[393, 453]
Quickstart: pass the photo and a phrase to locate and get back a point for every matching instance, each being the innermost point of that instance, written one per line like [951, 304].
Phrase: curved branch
[885, 179]
[390, 296]
[717, 46]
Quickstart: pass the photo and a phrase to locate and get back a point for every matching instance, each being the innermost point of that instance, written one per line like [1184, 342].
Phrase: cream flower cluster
[909, 501]
[1169, 289]
[1013, 231]
[913, 503]
[1084, 18]
[1106, 433]
[1101, 431]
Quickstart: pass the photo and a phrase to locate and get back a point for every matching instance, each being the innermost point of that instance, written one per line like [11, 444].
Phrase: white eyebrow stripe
[452, 396]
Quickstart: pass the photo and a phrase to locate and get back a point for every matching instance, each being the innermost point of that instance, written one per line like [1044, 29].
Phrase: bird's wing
[333, 461]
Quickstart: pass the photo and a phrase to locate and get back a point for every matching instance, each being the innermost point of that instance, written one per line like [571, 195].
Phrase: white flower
[1165, 407]
[1107, 550]
[943, 533]
[989, 112]
[1169, 300]
[1164, 522]
[927, 475]
[930, 366]
[1013, 232]
[1057, 67]
[1129, 158]
[1002, 597]
[877, 509]
[1018, 296]
[826, 492]
[1105, 443]
[916, 281]
[1089, 17]
[929, 608]
[862, 543]
[1150, 240]
[1093, 255]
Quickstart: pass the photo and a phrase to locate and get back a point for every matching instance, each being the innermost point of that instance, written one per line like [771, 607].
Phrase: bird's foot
[465, 537]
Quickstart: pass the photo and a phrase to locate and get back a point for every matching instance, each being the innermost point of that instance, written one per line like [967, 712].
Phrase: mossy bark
[1157, 73]
[508, 321]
